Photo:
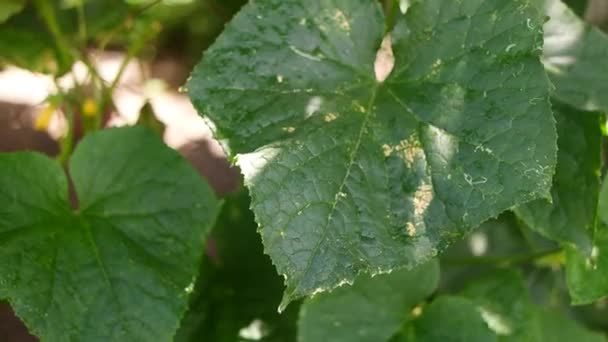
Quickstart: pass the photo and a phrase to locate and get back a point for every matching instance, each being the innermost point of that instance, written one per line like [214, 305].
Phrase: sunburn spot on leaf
[385, 60]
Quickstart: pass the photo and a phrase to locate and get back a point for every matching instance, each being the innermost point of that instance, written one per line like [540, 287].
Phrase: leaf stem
[500, 261]
[82, 23]
[390, 9]
[67, 142]
[46, 11]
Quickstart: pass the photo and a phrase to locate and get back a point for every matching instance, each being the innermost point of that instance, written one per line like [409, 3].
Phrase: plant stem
[390, 10]
[502, 260]
[67, 142]
[132, 16]
[47, 13]
[82, 23]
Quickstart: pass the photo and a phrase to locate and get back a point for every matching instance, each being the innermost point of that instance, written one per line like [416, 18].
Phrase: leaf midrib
[337, 198]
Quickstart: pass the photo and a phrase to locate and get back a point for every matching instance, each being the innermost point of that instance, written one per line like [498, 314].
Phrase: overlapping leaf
[450, 319]
[118, 268]
[575, 58]
[350, 174]
[373, 309]
[571, 216]
[505, 304]
[587, 273]
[495, 308]
[238, 287]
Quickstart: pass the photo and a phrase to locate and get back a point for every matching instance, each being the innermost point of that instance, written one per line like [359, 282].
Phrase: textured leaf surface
[505, 305]
[571, 218]
[372, 309]
[118, 268]
[587, 274]
[450, 319]
[237, 285]
[575, 58]
[349, 174]
[9, 8]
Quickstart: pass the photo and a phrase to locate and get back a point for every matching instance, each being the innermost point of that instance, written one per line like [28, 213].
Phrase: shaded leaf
[506, 306]
[572, 216]
[450, 319]
[237, 284]
[372, 309]
[349, 174]
[117, 268]
[587, 273]
[557, 327]
[575, 58]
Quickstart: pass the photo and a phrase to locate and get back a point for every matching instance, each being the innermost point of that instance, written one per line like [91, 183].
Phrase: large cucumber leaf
[352, 172]
[121, 266]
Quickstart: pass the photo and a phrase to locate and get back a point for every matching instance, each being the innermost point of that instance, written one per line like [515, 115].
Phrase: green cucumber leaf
[349, 174]
[372, 309]
[237, 285]
[121, 266]
[575, 58]
[571, 217]
[557, 327]
[587, 274]
[506, 306]
[450, 319]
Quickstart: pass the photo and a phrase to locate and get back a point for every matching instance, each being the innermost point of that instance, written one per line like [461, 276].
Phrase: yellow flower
[44, 118]
[89, 108]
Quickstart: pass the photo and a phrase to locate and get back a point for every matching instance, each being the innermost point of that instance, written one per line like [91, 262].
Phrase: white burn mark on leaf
[305, 54]
[253, 163]
[254, 331]
[411, 229]
[478, 243]
[385, 60]
[341, 20]
[495, 322]
[313, 106]
[422, 198]
[330, 117]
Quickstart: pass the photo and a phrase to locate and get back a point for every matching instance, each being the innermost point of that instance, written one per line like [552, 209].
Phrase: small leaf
[571, 217]
[506, 306]
[117, 268]
[557, 327]
[372, 309]
[587, 273]
[450, 319]
[349, 174]
[575, 58]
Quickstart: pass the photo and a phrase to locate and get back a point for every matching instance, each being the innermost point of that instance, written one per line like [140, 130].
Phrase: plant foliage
[423, 170]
